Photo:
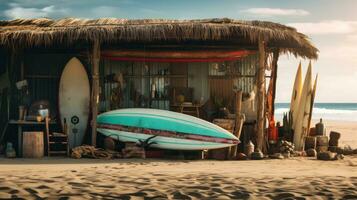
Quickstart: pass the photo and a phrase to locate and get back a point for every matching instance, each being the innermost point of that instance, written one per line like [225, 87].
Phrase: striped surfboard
[172, 130]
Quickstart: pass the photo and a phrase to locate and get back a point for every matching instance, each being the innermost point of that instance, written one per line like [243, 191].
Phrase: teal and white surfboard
[172, 130]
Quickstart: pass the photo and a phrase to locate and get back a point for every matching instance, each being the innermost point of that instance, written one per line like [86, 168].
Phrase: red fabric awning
[176, 56]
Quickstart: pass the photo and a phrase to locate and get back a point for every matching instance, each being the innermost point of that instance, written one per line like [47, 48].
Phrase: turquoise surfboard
[172, 130]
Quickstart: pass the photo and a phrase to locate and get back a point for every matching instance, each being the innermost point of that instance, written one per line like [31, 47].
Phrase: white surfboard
[296, 95]
[302, 119]
[74, 100]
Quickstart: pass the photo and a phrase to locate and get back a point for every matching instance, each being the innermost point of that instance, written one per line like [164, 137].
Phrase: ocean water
[327, 111]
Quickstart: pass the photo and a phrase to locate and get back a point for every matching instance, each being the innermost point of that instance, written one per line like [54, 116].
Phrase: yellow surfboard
[312, 101]
[303, 111]
[296, 94]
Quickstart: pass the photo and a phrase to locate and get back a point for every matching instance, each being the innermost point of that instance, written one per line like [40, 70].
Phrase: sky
[331, 25]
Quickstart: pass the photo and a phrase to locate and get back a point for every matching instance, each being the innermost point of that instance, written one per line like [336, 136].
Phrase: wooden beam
[95, 88]
[238, 121]
[274, 75]
[261, 95]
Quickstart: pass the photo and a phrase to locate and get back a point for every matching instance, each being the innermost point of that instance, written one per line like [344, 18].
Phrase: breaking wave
[325, 113]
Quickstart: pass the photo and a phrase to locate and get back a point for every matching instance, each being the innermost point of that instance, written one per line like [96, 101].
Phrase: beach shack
[197, 67]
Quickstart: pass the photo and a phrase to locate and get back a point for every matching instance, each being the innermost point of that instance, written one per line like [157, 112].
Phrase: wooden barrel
[33, 146]
[310, 142]
[321, 143]
[334, 138]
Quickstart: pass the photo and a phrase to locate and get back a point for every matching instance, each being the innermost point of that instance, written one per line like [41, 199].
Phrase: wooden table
[22, 123]
[188, 108]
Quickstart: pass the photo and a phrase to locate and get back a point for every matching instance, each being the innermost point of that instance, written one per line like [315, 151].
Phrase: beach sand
[295, 178]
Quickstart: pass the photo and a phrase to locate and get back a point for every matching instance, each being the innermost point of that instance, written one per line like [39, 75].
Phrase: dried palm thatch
[47, 32]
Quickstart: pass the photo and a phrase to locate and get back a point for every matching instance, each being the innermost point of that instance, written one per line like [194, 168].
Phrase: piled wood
[92, 152]
[286, 148]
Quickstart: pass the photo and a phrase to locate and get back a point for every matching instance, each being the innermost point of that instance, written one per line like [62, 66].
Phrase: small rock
[241, 156]
[258, 155]
[298, 153]
[339, 157]
[276, 156]
[109, 143]
[326, 155]
[286, 155]
[355, 151]
[311, 153]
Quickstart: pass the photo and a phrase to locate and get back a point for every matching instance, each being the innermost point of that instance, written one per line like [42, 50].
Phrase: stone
[109, 144]
[311, 153]
[277, 156]
[242, 156]
[257, 155]
[326, 155]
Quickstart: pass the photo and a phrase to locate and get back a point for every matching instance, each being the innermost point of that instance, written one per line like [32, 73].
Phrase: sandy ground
[348, 131]
[296, 178]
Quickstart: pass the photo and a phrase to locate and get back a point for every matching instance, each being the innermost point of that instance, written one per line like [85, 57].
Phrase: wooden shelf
[58, 142]
[155, 76]
[233, 76]
[41, 77]
[57, 152]
[160, 99]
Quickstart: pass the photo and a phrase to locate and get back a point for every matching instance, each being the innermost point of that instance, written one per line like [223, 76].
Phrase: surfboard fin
[146, 143]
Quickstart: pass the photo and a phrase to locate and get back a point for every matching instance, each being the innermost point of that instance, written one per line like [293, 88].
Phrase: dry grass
[46, 32]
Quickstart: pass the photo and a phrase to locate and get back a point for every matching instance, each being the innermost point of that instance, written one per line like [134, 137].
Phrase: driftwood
[92, 152]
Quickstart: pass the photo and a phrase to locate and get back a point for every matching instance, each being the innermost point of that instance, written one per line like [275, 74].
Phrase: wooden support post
[238, 124]
[261, 95]
[95, 89]
[274, 75]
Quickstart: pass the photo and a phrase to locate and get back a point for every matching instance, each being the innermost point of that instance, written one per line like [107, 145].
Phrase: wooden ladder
[57, 143]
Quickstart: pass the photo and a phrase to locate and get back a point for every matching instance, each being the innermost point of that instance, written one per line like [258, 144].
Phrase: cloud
[16, 11]
[352, 38]
[276, 12]
[326, 27]
[341, 53]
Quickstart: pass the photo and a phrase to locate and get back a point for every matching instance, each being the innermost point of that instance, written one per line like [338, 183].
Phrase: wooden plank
[33, 145]
[261, 95]
[238, 121]
[95, 88]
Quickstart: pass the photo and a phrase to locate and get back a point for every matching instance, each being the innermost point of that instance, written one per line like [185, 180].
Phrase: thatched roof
[47, 32]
